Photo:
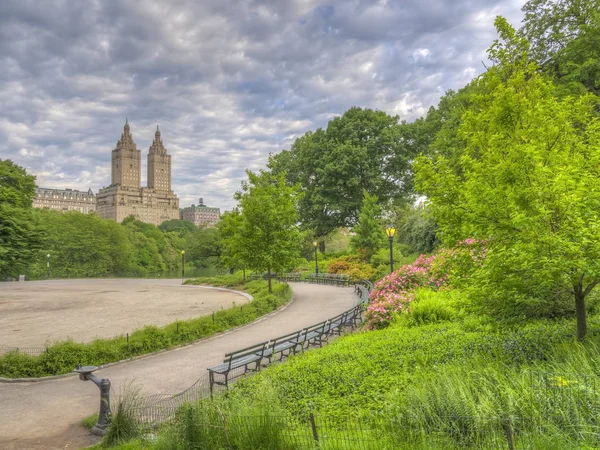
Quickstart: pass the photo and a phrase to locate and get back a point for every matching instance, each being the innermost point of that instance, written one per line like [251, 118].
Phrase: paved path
[46, 415]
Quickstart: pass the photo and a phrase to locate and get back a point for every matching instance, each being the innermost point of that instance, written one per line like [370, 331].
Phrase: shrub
[431, 306]
[444, 268]
[353, 266]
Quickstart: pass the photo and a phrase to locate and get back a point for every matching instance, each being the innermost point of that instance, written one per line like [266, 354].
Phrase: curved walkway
[47, 414]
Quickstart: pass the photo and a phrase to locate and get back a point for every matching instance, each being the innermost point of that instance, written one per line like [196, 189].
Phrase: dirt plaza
[37, 313]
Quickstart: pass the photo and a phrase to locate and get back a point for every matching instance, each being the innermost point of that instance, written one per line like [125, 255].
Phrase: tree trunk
[580, 312]
[269, 278]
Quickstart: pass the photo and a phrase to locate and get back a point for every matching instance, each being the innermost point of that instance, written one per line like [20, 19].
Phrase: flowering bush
[379, 314]
[392, 294]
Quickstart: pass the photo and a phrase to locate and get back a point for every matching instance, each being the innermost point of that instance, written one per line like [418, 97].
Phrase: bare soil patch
[33, 314]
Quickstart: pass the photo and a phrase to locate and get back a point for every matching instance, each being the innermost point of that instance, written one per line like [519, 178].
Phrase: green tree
[564, 38]
[181, 227]
[416, 229]
[233, 254]
[204, 246]
[269, 237]
[528, 185]
[369, 233]
[361, 150]
[21, 236]
[17, 188]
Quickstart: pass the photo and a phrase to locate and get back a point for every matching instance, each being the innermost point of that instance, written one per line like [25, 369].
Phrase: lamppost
[391, 231]
[182, 265]
[48, 266]
[316, 244]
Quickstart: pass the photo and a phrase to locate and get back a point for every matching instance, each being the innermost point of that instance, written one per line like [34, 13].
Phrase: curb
[158, 352]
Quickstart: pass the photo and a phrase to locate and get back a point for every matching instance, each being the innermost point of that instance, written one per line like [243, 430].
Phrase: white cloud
[228, 82]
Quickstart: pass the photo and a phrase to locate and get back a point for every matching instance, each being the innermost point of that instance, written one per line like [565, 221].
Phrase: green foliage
[21, 236]
[62, 357]
[527, 185]
[356, 375]
[89, 422]
[17, 188]
[21, 239]
[181, 227]
[85, 245]
[123, 425]
[233, 253]
[416, 229]
[266, 232]
[361, 150]
[432, 306]
[369, 233]
[564, 38]
[351, 265]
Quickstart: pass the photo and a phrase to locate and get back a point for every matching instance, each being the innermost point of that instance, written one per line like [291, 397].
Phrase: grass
[62, 357]
[441, 379]
[89, 422]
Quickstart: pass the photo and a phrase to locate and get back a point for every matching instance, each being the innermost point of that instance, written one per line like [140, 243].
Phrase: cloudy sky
[229, 81]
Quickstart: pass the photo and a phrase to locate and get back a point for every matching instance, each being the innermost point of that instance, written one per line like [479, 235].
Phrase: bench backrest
[285, 338]
[257, 349]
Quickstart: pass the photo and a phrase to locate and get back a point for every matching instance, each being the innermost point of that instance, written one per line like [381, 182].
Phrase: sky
[228, 81]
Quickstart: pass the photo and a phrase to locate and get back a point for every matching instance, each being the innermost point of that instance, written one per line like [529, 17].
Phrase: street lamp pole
[182, 265]
[316, 244]
[48, 266]
[391, 231]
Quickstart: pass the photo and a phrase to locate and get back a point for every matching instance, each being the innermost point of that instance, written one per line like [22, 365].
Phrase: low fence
[548, 428]
[212, 430]
[31, 351]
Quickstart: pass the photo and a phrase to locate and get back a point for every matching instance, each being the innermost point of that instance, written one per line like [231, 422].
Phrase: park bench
[314, 335]
[279, 346]
[362, 289]
[336, 279]
[235, 360]
[289, 277]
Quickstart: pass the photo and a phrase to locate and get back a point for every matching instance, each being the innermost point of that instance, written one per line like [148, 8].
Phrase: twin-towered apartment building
[154, 203]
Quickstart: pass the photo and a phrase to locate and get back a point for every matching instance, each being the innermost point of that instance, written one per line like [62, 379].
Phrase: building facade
[65, 200]
[125, 196]
[201, 215]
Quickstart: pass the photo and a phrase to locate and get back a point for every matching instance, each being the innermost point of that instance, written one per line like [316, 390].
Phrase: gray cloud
[228, 82]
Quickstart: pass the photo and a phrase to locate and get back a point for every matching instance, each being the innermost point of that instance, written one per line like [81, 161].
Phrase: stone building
[125, 196]
[201, 215]
[65, 200]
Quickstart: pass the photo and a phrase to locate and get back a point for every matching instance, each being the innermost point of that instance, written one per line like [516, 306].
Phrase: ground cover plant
[456, 383]
[62, 357]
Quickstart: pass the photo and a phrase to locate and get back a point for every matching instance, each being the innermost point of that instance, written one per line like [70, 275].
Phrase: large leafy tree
[268, 235]
[564, 36]
[233, 254]
[21, 236]
[361, 150]
[17, 188]
[528, 185]
[369, 233]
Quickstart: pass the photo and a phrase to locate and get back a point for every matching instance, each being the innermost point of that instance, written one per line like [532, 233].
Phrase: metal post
[104, 416]
[316, 262]
[48, 266]
[182, 265]
[391, 238]
[313, 425]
